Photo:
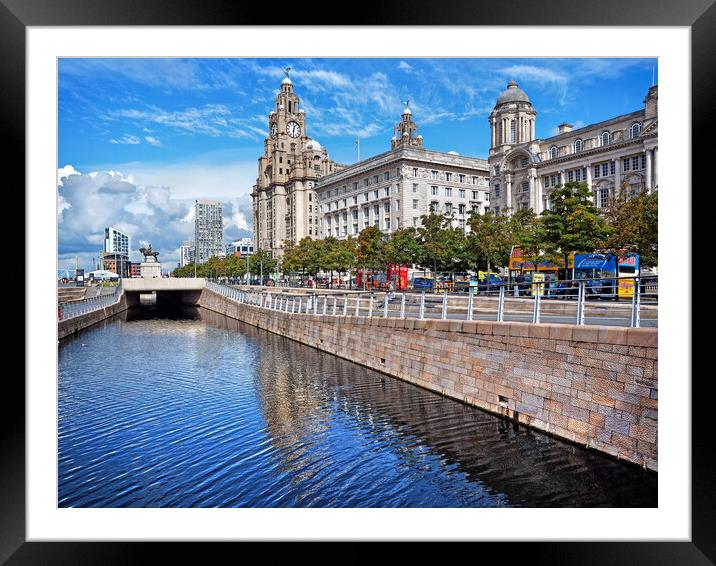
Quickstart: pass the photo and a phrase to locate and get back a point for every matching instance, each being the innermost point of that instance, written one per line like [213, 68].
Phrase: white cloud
[405, 66]
[151, 140]
[127, 139]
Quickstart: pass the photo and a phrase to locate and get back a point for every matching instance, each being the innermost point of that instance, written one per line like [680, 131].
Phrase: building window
[376, 209]
[513, 131]
[497, 190]
[612, 167]
[578, 145]
[605, 169]
[448, 208]
[415, 171]
[448, 192]
[462, 178]
[365, 197]
[474, 180]
[525, 186]
[625, 164]
[387, 191]
[433, 174]
[554, 180]
[635, 130]
[553, 152]
[497, 210]
[603, 198]
[386, 176]
[597, 170]
[415, 187]
[523, 163]
[433, 206]
[635, 162]
[643, 161]
[461, 193]
[497, 169]
[386, 207]
[545, 181]
[570, 176]
[461, 209]
[606, 138]
[355, 185]
[474, 195]
[375, 193]
[578, 175]
[448, 176]
[434, 190]
[415, 204]
[365, 182]
[355, 199]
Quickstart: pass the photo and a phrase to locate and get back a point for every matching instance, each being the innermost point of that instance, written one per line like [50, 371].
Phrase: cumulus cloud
[126, 139]
[151, 213]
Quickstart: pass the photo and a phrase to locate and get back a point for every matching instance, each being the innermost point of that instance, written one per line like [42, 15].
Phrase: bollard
[535, 308]
[580, 303]
[325, 303]
[501, 305]
[635, 304]
[385, 306]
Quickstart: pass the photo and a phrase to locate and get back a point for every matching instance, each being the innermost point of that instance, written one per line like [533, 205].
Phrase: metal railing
[72, 309]
[582, 301]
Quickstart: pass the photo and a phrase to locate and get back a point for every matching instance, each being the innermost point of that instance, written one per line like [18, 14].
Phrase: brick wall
[593, 385]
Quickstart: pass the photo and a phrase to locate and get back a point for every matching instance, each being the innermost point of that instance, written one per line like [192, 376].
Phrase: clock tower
[284, 200]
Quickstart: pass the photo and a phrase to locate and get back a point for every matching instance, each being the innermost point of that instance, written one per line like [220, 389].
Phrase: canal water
[192, 409]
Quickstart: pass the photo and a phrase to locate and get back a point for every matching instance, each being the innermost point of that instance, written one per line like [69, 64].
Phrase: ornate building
[284, 199]
[394, 189]
[610, 156]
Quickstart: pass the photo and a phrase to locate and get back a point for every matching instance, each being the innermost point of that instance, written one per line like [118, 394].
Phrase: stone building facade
[394, 189]
[619, 154]
[284, 198]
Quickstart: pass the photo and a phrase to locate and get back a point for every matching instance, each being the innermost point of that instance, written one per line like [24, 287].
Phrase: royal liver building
[616, 155]
[284, 200]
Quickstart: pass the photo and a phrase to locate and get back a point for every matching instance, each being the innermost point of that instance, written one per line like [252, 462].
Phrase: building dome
[286, 81]
[419, 137]
[301, 111]
[406, 110]
[313, 145]
[512, 94]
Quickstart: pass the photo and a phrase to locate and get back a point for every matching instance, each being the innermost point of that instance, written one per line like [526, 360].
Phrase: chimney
[564, 128]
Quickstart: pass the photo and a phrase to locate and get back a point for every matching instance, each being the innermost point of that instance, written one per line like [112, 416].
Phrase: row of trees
[572, 223]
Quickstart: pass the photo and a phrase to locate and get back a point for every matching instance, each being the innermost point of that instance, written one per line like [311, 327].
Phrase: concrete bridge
[174, 290]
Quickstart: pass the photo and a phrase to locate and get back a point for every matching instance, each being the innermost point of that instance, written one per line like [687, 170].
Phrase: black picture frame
[699, 15]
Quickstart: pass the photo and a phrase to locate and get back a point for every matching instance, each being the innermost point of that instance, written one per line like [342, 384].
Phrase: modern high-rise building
[115, 256]
[186, 254]
[284, 199]
[116, 242]
[208, 230]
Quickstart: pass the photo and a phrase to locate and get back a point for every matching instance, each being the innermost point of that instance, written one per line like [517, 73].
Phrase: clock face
[274, 130]
[293, 129]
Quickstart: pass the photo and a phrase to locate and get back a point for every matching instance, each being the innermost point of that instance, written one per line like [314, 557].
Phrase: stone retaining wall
[593, 385]
[77, 323]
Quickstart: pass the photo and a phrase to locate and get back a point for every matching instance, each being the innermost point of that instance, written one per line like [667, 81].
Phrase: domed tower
[512, 121]
[406, 130]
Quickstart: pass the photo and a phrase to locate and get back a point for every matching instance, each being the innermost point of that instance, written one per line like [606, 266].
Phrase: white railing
[585, 301]
[72, 309]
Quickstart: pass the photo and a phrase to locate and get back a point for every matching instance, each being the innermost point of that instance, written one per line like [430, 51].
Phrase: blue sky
[144, 137]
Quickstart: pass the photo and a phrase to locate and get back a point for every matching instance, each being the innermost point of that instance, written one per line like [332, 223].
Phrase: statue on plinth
[149, 252]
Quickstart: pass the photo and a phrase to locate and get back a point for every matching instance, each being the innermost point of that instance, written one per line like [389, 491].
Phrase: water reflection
[223, 414]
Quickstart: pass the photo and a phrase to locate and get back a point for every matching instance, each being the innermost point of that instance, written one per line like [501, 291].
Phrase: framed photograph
[150, 124]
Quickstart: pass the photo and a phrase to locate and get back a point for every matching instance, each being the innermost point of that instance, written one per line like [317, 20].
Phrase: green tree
[491, 239]
[635, 226]
[572, 224]
[371, 248]
[432, 240]
[403, 247]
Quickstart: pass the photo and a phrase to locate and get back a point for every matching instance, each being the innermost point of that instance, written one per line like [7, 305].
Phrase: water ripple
[208, 412]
